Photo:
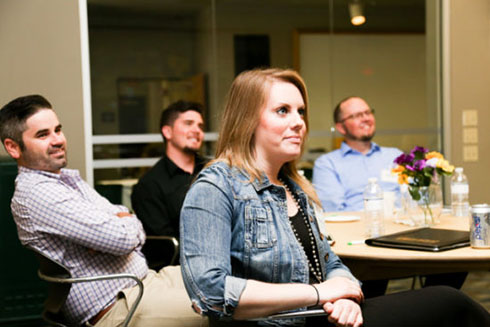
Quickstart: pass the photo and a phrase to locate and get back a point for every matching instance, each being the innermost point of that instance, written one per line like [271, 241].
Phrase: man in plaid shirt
[59, 214]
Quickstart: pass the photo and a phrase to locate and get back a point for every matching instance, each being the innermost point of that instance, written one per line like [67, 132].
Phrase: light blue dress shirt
[340, 176]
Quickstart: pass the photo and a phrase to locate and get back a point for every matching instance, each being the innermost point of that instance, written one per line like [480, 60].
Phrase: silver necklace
[315, 267]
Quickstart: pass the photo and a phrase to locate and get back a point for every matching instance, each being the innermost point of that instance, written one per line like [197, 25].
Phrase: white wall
[41, 54]
[469, 57]
[388, 70]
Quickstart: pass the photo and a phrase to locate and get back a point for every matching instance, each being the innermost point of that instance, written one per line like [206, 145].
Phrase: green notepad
[423, 239]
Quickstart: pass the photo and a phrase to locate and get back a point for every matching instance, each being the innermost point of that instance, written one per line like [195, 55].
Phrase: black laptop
[423, 239]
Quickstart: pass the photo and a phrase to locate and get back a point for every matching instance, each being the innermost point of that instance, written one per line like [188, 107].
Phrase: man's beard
[364, 138]
[190, 150]
[45, 163]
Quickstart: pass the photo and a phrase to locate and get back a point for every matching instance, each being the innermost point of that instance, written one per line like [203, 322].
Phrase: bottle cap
[372, 179]
[459, 170]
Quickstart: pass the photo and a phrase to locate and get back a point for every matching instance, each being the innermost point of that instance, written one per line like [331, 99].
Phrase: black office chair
[59, 283]
[158, 255]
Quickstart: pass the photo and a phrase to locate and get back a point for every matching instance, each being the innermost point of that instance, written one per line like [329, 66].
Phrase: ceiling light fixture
[356, 12]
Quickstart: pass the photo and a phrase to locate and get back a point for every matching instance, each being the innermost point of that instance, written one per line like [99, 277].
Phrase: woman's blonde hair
[246, 98]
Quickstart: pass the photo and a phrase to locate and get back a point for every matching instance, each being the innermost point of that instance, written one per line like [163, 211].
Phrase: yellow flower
[444, 165]
[398, 169]
[434, 154]
[402, 179]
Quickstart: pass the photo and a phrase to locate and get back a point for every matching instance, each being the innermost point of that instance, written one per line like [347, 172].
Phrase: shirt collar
[259, 185]
[69, 173]
[174, 169]
[199, 164]
[345, 149]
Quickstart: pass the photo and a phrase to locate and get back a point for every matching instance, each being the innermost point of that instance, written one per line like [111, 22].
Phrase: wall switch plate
[470, 117]
[470, 135]
[470, 153]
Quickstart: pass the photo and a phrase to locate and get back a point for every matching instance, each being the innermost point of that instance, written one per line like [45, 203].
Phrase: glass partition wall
[145, 55]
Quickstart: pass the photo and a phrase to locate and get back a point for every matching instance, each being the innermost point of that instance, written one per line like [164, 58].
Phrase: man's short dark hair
[14, 114]
[172, 112]
[338, 110]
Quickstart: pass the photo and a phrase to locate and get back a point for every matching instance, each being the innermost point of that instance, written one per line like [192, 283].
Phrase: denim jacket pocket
[258, 227]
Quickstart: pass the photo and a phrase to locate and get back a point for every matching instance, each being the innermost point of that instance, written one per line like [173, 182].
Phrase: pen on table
[355, 242]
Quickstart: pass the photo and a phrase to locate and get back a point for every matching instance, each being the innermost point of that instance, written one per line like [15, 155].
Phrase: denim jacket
[233, 230]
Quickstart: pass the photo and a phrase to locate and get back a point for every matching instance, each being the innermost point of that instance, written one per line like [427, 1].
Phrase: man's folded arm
[79, 220]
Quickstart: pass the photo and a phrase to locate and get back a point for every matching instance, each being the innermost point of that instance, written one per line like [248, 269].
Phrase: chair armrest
[169, 239]
[57, 274]
[73, 280]
[294, 314]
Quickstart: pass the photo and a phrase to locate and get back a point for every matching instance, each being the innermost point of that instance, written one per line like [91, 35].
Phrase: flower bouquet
[420, 170]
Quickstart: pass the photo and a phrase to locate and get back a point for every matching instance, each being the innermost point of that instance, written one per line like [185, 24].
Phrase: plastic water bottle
[405, 200]
[373, 208]
[459, 193]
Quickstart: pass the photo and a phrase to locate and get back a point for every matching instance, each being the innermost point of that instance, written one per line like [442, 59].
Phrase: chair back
[161, 251]
[57, 292]
[22, 293]
[59, 283]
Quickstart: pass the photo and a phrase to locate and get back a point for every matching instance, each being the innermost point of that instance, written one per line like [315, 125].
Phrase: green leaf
[428, 172]
[414, 192]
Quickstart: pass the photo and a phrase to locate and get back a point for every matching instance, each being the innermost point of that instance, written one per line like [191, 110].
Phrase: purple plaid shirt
[63, 217]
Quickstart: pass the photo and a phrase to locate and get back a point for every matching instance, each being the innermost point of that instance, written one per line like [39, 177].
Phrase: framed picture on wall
[142, 100]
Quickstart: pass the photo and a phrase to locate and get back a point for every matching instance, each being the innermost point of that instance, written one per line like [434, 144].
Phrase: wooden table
[369, 263]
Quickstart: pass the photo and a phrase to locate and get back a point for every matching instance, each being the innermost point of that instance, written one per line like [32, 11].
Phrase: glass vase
[426, 211]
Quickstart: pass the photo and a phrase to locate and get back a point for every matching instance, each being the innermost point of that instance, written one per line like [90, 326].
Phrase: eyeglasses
[359, 115]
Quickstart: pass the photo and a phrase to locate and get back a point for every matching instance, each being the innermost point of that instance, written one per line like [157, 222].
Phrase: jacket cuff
[234, 287]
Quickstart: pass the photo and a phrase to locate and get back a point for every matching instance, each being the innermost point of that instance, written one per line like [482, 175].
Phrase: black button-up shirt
[159, 194]
[157, 200]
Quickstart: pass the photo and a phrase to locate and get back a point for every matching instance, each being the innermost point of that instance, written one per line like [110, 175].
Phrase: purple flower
[404, 158]
[419, 149]
[419, 165]
[410, 168]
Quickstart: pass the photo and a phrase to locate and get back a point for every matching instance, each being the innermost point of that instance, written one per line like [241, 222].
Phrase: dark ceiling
[382, 15]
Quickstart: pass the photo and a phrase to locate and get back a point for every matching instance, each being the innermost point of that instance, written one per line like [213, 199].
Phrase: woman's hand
[337, 288]
[344, 313]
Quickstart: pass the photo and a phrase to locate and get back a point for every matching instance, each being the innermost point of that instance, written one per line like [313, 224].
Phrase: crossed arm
[90, 220]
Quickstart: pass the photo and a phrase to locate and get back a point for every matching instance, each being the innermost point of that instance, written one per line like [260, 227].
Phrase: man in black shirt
[159, 194]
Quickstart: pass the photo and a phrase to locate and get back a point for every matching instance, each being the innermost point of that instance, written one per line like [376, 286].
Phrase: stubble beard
[45, 163]
[190, 151]
[364, 138]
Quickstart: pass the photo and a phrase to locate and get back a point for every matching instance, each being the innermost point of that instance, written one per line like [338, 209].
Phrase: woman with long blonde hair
[250, 242]
[241, 116]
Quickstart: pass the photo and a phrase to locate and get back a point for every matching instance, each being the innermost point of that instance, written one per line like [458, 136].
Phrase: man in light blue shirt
[340, 176]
